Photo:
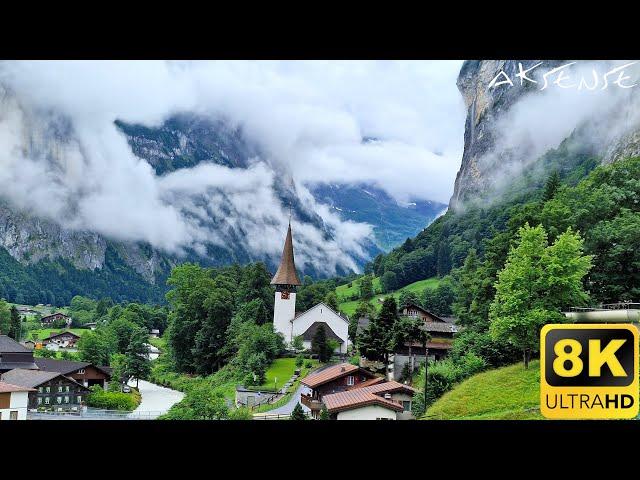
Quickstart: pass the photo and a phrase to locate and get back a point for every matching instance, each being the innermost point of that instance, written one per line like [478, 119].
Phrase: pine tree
[298, 413]
[15, 329]
[324, 413]
[320, 346]
[552, 186]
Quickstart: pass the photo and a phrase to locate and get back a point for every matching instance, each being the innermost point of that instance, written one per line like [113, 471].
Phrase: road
[156, 400]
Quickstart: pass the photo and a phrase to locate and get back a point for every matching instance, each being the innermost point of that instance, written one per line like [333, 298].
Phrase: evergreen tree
[331, 300]
[138, 364]
[551, 186]
[366, 287]
[320, 345]
[298, 413]
[15, 330]
[324, 413]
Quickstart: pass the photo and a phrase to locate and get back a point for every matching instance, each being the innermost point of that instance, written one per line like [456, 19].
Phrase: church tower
[286, 281]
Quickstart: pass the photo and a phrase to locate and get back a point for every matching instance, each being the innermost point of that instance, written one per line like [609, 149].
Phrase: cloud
[63, 158]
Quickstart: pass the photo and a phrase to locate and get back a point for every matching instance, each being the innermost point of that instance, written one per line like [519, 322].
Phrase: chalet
[154, 333]
[441, 331]
[13, 355]
[334, 379]
[51, 319]
[84, 373]
[14, 400]
[48, 390]
[380, 401]
[30, 344]
[62, 339]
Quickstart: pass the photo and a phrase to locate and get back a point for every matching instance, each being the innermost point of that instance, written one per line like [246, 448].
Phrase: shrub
[299, 361]
[98, 398]
[308, 364]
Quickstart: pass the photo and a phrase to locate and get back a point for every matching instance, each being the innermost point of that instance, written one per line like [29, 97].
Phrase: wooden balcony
[310, 402]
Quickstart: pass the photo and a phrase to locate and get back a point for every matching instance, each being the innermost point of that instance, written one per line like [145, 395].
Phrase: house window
[350, 380]
[81, 371]
[67, 389]
[48, 389]
[406, 404]
[382, 418]
[13, 415]
[39, 389]
[46, 400]
[39, 401]
[59, 400]
[66, 399]
[79, 399]
[60, 388]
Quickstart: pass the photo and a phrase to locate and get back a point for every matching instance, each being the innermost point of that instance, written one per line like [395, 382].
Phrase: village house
[349, 392]
[49, 390]
[334, 379]
[61, 340]
[13, 355]
[412, 354]
[292, 324]
[381, 401]
[49, 320]
[84, 373]
[14, 401]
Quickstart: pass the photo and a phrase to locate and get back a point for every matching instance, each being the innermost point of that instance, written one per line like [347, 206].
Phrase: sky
[63, 159]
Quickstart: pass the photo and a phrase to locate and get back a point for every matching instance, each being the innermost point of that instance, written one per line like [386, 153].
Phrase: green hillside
[508, 393]
[346, 292]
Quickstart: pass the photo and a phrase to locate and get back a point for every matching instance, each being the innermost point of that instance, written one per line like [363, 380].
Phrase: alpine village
[441, 323]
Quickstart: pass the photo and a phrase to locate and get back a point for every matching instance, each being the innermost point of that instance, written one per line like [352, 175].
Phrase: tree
[331, 300]
[408, 297]
[203, 403]
[298, 343]
[298, 413]
[324, 413]
[537, 281]
[320, 346]
[388, 281]
[15, 330]
[138, 364]
[96, 347]
[551, 186]
[5, 318]
[408, 330]
[375, 343]
[366, 287]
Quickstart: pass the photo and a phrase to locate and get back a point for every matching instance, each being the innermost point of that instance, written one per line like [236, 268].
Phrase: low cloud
[63, 158]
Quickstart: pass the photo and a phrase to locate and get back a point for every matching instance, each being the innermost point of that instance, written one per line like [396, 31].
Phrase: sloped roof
[66, 332]
[8, 388]
[359, 397]
[440, 327]
[388, 387]
[9, 345]
[340, 315]
[310, 332]
[60, 366]
[371, 381]
[331, 373]
[286, 274]
[28, 378]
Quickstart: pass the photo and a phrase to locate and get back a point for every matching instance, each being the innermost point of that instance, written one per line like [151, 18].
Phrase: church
[290, 323]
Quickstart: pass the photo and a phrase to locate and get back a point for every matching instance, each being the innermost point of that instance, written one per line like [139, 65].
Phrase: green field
[46, 332]
[508, 393]
[279, 373]
[349, 307]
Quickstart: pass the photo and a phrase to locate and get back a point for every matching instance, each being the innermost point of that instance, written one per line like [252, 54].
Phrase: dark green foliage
[331, 300]
[439, 300]
[98, 398]
[320, 345]
[15, 330]
[298, 413]
[552, 186]
[324, 413]
[376, 341]
[366, 287]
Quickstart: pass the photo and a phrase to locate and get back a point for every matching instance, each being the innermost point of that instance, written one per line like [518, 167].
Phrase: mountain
[392, 223]
[509, 153]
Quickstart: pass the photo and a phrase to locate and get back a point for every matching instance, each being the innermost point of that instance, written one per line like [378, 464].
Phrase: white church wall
[322, 313]
[283, 312]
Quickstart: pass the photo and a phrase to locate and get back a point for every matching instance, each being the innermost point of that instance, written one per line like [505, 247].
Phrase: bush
[308, 364]
[98, 398]
[299, 361]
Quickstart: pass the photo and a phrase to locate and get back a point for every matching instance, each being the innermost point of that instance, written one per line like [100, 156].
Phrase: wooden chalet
[13, 355]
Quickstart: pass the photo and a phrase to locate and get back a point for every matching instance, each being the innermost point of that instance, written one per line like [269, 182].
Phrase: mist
[63, 159]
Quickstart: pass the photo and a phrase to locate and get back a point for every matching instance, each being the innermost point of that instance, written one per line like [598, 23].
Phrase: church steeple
[286, 274]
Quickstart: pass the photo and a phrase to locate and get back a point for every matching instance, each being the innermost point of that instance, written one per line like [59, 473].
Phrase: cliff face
[484, 109]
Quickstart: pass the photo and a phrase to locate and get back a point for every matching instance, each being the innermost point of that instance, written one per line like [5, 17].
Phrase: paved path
[156, 400]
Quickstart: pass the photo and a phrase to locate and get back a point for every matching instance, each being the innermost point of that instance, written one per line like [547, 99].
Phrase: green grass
[508, 393]
[279, 373]
[46, 332]
[285, 399]
[349, 307]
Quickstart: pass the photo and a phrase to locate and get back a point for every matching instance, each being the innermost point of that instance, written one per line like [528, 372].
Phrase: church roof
[313, 328]
[286, 274]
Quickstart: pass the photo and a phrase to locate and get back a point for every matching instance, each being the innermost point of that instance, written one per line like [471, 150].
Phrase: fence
[95, 415]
